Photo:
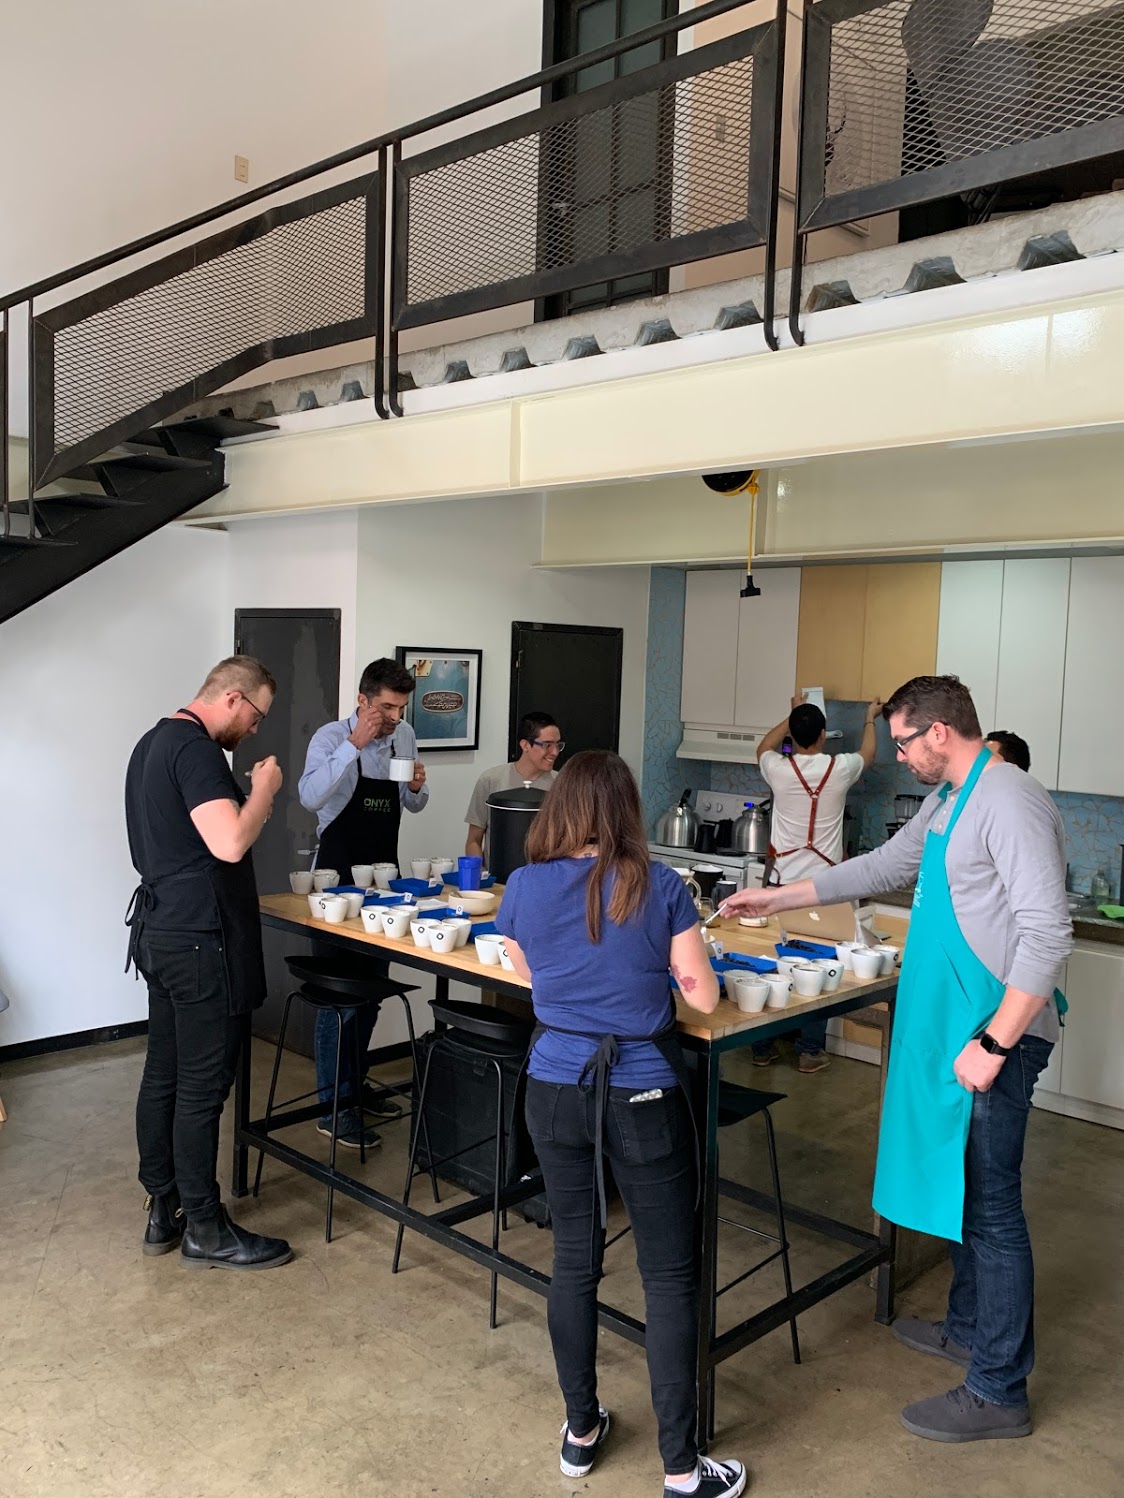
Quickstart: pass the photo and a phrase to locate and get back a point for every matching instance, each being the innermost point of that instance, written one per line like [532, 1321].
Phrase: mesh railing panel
[301, 277]
[647, 170]
[917, 84]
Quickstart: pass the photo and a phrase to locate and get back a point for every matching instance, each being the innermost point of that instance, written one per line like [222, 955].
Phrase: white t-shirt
[792, 808]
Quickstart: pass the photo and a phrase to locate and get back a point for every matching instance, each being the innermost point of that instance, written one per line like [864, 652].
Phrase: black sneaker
[379, 1103]
[347, 1132]
[576, 1460]
[712, 1480]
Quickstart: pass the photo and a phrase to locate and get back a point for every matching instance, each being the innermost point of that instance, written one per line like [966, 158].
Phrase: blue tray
[747, 962]
[483, 928]
[420, 887]
[802, 948]
[453, 878]
[345, 889]
[382, 898]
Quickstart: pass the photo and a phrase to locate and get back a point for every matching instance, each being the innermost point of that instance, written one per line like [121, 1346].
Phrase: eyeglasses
[901, 745]
[259, 716]
[546, 745]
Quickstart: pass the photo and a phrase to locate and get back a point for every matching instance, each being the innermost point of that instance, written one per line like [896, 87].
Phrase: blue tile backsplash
[1094, 825]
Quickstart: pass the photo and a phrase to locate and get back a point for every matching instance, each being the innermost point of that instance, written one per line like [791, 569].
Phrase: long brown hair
[595, 800]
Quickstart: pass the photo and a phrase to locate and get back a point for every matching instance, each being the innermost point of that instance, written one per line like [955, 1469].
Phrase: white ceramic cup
[463, 928]
[866, 963]
[371, 916]
[354, 904]
[786, 964]
[808, 979]
[749, 992]
[889, 956]
[421, 931]
[420, 868]
[439, 866]
[833, 972]
[300, 882]
[443, 937]
[383, 873]
[396, 921]
[843, 951]
[402, 769]
[362, 874]
[321, 878]
[505, 960]
[314, 904]
[488, 950]
[333, 909]
[780, 986]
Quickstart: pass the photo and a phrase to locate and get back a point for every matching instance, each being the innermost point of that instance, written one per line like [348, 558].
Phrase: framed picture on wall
[444, 707]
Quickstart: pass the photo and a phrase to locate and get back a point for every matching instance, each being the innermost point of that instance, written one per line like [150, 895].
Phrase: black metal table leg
[885, 1283]
[706, 1120]
[240, 1164]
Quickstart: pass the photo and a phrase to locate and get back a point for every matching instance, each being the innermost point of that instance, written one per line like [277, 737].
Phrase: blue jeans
[651, 1148]
[991, 1302]
[357, 1023]
[810, 1040]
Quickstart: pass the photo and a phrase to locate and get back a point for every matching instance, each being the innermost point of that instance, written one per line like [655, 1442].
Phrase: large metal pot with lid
[750, 832]
[678, 827]
[510, 814]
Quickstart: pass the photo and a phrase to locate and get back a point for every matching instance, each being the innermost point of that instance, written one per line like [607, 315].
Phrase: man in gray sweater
[976, 1018]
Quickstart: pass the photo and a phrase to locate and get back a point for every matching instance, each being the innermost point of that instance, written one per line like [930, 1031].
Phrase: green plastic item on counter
[1114, 912]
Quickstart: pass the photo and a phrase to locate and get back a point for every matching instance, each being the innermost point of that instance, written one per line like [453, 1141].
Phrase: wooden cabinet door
[1093, 1056]
[767, 629]
[832, 622]
[1032, 651]
[968, 631]
[1092, 705]
[710, 647]
[900, 634]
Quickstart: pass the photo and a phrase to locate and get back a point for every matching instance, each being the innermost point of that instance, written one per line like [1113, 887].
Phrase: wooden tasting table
[706, 1038]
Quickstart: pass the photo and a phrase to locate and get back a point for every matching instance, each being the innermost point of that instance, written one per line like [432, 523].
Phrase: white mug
[354, 901]
[333, 909]
[833, 972]
[439, 866]
[300, 882]
[420, 867]
[488, 950]
[463, 928]
[443, 937]
[889, 956]
[396, 922]
[421, 932]
[808, 978]
[383, 873]
[402, 769]
[866, 963]
[321, 878]
[780, 986]
[505, 960]
[362, 874]
[843, 951]
[749, 991]
[371, 916]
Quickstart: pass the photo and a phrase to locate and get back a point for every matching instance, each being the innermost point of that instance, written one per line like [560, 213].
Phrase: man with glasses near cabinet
[540, 744]
[975, 1019]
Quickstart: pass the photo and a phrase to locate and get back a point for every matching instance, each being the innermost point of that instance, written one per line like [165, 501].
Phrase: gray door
[301, 647]
[573, 672]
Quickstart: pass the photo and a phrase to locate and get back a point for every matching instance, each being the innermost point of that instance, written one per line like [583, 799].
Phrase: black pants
[193, 1043]
[651, 1149]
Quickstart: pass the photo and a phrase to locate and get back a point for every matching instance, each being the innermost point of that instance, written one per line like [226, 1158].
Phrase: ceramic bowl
[476, 901]
[383, 873]
[843, 951]
[463, 927]
[443, 937]
[362, 874]
[371, 916]
[421, 931]
[333, 909]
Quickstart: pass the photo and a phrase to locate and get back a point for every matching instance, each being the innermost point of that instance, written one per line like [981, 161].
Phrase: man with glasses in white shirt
[540, 744]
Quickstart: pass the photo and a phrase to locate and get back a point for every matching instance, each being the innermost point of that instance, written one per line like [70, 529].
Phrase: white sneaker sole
[568, 1469]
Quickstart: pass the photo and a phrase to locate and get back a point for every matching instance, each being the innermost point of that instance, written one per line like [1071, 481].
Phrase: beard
[931, 770]
[228, 738]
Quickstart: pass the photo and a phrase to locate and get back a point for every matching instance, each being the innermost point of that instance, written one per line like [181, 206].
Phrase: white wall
[458, 573]
[82, 675]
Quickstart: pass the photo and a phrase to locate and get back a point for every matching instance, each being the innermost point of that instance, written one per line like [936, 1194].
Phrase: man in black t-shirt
[196, 937]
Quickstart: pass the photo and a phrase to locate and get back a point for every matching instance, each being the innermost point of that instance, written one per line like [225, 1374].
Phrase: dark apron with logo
[365, 831]
[237, 916]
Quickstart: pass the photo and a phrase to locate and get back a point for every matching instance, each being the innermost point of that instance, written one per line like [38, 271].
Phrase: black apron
[237, 913]
[366, 830]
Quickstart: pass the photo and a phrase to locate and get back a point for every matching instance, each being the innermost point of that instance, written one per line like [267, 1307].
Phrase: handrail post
[380, 292]
[5, 496]
[32, 470]
[772, 224]
[796, 270]
[398, 253]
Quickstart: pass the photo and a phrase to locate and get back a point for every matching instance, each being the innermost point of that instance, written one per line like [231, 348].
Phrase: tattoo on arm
[686, 982]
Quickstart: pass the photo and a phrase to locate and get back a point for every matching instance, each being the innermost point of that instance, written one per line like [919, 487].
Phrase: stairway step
[221, 428]
[79, 500]
[28, 543]
[153, 461]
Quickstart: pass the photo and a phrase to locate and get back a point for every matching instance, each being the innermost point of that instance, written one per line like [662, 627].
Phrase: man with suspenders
[809, 791]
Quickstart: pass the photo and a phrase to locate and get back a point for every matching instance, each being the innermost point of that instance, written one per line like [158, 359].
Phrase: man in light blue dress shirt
[347, 782]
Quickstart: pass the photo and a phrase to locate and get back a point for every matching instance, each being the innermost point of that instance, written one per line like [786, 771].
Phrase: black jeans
[193, 1044]
[651, 1149]
[991, 1302]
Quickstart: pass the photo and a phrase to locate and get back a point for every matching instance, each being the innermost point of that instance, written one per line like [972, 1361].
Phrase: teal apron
[946, 997]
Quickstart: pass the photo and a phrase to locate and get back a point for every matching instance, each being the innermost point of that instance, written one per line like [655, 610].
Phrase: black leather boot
[218, 1243]
[166, 1222]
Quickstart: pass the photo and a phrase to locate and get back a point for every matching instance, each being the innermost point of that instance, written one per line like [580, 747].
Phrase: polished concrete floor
[128, 1376]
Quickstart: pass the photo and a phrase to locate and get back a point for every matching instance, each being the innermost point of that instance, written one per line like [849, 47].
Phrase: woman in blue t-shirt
[595, 927]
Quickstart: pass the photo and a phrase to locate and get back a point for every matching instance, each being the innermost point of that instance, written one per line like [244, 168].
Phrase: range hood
[736, 746]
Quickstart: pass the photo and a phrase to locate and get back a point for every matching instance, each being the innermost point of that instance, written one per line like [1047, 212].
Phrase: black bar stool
[478, 1036]
[339, 984]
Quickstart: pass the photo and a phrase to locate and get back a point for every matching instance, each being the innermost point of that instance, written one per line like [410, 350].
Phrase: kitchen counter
[1088, 925]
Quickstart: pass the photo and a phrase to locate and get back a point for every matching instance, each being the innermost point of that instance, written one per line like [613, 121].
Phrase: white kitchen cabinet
[1032, 645]
[1093, 705]
[739, 654]
[710, 647]
[767, 631]
[968, 631]
[1093, 1050]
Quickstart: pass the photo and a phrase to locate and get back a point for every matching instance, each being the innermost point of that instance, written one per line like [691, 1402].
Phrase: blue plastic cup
[468, 871]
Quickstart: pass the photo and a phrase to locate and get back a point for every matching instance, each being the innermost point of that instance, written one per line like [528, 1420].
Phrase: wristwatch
[992, 1046]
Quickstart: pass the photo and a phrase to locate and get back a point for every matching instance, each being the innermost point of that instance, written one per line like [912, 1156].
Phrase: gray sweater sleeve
[1022, 836]
[892, 866]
